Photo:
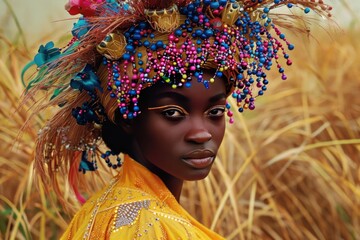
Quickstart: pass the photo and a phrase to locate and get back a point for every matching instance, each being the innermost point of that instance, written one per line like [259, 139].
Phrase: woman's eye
[173, 113]
[216, 112]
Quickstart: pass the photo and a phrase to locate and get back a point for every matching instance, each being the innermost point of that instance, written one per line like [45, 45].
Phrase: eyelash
[169, 111]
[220, 108]
[181, 113]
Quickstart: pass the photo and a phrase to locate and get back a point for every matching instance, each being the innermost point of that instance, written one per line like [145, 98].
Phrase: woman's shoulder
[122, 212]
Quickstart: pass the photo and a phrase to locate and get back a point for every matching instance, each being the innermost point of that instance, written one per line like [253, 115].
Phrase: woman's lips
[199, 162]
[199, 158]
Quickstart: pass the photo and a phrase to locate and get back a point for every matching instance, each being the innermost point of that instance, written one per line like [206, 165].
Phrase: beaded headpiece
[120, 47]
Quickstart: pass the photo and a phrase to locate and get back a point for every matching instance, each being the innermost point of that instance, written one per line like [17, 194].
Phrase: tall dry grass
[288, 170]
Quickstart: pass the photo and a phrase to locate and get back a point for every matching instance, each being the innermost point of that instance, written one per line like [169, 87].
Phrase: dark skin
[179, 131]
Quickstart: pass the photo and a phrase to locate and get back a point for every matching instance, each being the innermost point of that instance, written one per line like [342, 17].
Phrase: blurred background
[288, 170]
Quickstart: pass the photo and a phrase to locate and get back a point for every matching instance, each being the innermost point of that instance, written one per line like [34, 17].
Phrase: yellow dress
[136, 205]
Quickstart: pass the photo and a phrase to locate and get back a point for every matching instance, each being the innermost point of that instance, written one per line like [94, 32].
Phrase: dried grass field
[288, 170]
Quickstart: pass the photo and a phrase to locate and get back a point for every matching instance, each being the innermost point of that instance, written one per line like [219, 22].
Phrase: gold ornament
[231, 13]
[113, 46]
[166, 20]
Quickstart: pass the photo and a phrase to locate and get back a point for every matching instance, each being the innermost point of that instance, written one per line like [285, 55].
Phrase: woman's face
[180, 130]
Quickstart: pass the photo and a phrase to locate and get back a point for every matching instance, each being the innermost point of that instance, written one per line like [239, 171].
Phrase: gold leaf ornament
[232, 12]
[113, 46]
[165, 20]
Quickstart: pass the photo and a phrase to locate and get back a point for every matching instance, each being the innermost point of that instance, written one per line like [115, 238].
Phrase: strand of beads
[106, 157]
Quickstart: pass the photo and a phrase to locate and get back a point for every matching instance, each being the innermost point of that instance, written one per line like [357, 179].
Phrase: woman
[150, 79]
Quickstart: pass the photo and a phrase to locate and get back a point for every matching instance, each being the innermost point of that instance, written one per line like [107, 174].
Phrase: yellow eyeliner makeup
[169, 106]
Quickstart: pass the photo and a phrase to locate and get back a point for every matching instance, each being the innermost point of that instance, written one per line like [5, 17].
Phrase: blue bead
[222, 2]
[195, 19]
[123, 110]
[214, 5]
[307, 10]
[291, 47]
[198, 32]
[191, 7]
[159, 44]
[219, 74]
[209, 32]
[142, 25]
[146, 43]
[126, 56]
[153, 47]
[129, 48]
[178, 32]
[136, 36]
[207, 2]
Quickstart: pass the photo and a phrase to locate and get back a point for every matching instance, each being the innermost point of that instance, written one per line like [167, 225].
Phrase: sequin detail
[127, 213]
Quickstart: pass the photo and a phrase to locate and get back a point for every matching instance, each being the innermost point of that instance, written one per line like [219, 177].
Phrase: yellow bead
[212, 80]
[184, 76]
[174, 86]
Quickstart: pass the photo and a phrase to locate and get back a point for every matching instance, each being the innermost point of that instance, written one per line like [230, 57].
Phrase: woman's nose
[198, 133]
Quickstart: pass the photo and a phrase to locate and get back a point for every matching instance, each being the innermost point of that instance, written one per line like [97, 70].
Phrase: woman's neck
[173, 184]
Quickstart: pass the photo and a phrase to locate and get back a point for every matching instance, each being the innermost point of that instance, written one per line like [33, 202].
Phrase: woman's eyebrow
[174, 95]
[217, 97]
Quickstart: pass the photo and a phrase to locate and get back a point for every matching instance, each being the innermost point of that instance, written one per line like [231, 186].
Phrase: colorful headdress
[121, 47]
